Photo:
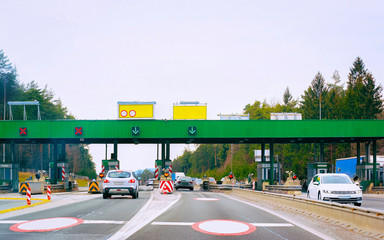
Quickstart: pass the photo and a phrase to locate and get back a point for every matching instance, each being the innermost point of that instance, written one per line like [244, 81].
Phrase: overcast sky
[227, 54]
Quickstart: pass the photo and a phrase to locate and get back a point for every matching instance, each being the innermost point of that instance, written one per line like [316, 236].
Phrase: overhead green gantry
[167, 132]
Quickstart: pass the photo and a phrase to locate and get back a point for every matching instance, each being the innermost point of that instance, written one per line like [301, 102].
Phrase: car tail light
[178, 181]
[132, 181]
[190, 182]
[106, 181]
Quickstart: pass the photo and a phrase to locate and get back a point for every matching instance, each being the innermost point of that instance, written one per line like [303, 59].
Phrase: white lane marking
[300, 225]
[206, 199]
[272, 224]
[155, 206]
[191, 223]
[103, 222]
[173, 223]
[12, 221]
[85, 221]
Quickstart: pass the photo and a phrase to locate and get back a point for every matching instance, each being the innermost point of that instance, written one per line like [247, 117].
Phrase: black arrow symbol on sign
[135, 130]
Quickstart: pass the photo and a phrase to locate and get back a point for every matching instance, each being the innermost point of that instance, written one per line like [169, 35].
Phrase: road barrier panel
[166, 187]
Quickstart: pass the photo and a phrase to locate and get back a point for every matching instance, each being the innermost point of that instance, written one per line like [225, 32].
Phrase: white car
[119, 182]
[335, 187]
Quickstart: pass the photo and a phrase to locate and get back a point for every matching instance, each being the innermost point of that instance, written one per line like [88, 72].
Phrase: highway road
[181, 215]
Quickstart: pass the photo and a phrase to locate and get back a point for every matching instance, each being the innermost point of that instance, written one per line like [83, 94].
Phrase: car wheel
[191, 189]
[105, 195]
[319, 197]
[308, 194]
[357, 204]
[135, 195]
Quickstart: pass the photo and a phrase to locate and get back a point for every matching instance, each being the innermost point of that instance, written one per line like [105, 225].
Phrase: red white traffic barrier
[116, 167]
[49, 193]
[156, 173]
[63, 173]
[102, 169]
[166, 187]
[29, 196]
[170, 169]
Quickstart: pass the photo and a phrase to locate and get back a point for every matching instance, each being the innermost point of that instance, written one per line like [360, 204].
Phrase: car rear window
[186, 179]
[119, 174]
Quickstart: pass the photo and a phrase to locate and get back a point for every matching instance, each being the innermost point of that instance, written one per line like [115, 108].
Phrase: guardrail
[361, 218]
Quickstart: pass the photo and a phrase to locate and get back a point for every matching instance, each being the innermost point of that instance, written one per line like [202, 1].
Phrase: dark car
[184, 182]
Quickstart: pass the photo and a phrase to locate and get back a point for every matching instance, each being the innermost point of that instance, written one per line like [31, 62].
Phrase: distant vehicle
[198, 181]
[177, 175]
[184, 182]
[335, 187]
[212, 180]
[150, 181]
[119, 182]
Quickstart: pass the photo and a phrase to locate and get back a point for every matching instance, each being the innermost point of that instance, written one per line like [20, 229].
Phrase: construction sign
[93, 187]
[23, 187]
[186, 110]
[136, 109]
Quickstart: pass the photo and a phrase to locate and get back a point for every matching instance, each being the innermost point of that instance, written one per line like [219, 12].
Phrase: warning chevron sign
[23, 187]
[93, 187]
[166, 187]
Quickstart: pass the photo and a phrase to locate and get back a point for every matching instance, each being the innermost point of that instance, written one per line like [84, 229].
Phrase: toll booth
[263, 171]
[316, 168]
[110, 165]
[9, 176]
[364, 172]
[59, 172]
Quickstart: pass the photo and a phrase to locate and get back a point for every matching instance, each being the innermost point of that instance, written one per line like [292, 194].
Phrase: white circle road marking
[46, 224]
[224, 227]
[206, 199]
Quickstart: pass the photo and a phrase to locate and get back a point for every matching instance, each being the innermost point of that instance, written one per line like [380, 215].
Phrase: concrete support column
[115, 150]
[54, 170]
[263, 152]
[271, 159]
[358, 152]
[374, 150]
[162, 156]
[321, 151]
[367, 151]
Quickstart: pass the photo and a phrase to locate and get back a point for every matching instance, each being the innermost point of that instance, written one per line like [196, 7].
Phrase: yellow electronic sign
[189, 112]
[136, 110]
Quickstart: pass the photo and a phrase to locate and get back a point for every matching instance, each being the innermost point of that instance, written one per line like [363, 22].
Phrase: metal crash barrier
[367, 219]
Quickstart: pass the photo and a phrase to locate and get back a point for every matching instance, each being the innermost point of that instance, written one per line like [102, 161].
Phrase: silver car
[184, 182]
[119, 182]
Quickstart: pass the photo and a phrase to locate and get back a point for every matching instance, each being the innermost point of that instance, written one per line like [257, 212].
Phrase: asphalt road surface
[181, 215]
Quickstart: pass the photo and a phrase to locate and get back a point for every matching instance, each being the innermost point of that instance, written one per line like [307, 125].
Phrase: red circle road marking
[123, 113]
[132, 113]
[224, 227]
[46, 224]
[206, 199]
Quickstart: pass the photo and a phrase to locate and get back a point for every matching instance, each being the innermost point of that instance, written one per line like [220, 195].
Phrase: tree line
[360, 98]
[37, 156]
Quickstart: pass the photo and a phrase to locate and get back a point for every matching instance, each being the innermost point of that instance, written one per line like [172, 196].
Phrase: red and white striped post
[102, 169]
[156, 173]
[63, 173]
[29, 196]
[49, 192]
[170, 169]
[116, 167]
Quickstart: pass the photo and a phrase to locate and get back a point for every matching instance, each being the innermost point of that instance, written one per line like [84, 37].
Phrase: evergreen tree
[314, 96]
[363, 97]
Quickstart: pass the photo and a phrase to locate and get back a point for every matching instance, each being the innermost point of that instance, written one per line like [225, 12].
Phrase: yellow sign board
[136, 111]
[189, 112]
